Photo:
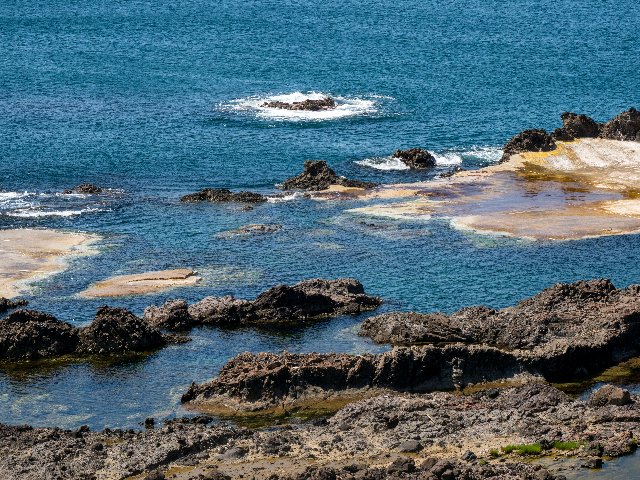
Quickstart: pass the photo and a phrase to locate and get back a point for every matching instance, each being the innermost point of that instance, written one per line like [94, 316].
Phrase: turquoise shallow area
[155, 100]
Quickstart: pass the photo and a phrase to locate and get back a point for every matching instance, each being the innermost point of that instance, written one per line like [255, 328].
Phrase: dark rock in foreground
[116, 330]
[416, 158]
[326, 103]
[625, 126]
[576, 126]
[282, 305]
[30, 335]
[317, 175]
[223, 195]
[535, 140]
[85, 188]
[8, 304]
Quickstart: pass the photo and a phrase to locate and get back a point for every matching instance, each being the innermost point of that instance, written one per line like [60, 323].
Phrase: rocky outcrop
[84, 188]
[223, 195]
[535, 140]
[116, 330]
[255, 229]
[625, 126]
[576, 126]
[29, 335]
[283, 305]
[326, 103]
[317, 175]
[416, 158]
[7, 304]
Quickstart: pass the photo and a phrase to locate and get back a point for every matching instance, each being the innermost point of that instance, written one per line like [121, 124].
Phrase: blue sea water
[157, 99]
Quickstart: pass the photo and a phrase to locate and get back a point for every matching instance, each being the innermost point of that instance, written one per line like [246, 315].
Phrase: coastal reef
[326, 103]
[317, 175]
[223, 195]
[416, 158]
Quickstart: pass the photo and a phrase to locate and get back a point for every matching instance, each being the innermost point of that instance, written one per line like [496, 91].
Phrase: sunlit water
[157, 100]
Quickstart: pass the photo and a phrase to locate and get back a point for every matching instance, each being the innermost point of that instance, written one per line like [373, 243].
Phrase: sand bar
[142, 283]
[27, 255]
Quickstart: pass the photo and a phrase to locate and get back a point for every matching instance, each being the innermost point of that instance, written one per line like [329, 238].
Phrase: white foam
[346, 107]
[484, 152]
[449, 158]
[384, 163]
[29, 213]
[286, 198]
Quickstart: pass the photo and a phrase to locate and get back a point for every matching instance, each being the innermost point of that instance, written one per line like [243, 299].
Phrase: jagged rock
[28, 334]
[625, 126]
[576, 126]
[305, 301]
[535, 140]
[317, 175]
[7, 304]
[416, 158]
[85, 188]
[223, 195]
[326, 103]
[610, 395]
[255, 229]
[173, 315]
[116, 330]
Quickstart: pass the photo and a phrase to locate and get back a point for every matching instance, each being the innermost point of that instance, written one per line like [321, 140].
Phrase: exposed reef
[326, 103]
[84, 188]
[142, 283]
[281, 305]
[566, 332]
[625, 126]
[534, 140]
[223, 195]
[6, 304]
[31, 335]
[576, 126]
[416, 158]
[317, 175]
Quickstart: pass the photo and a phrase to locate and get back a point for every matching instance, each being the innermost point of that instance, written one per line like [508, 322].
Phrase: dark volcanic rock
[535, 140]
[116, 330]
[27, 334]
[317, 175]
[223, 195]
[7, 304]
[416, 158]
[85, 188]
[326, 103]
[625, 126]
[305, 301]
[576, 126]
[173, 315]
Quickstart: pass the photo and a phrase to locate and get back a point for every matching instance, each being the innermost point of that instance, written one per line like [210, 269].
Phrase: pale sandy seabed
[586, 188]
[142, 283]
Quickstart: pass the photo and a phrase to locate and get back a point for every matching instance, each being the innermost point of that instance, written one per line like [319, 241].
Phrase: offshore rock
[317, 175]
[576, 126]
[223, 195]
[85, 188]
[281, 305]
[173, 315]
[326, 103]
[28, 335]
[535, 140]
[416, 158]
[7, 304]
[116, 330]
[625, 126]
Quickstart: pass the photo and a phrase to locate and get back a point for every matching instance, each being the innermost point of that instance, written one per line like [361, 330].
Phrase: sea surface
[153, 100]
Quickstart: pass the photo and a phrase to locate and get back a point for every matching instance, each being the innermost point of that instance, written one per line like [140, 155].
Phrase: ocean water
[155, 100]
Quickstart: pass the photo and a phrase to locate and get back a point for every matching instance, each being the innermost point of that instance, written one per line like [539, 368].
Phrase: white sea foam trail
[346, 107]
[384, 163]
[36, 213]
[445, 159]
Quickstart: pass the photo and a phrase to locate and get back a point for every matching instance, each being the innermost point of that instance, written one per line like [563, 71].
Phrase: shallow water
[155, 101]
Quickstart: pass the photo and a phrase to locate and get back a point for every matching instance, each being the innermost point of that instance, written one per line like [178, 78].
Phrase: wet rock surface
[317, 175]
[7, 304]
[625, 126]
[326, 103]
[84, 188]
[281, 305]
[29, 335]
[534, 140]
[416, 158]
[223, 195]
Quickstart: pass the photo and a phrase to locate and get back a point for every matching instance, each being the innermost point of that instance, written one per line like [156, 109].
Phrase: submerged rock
[416, 158]
[535, 140]
[317, 175]
[282, 305]
[576, 126]
[326, 103]
[625, 126]
[84, 188]
[223, 195]
[8, 304]
[116, 330]
[255, 229]
[28, 335]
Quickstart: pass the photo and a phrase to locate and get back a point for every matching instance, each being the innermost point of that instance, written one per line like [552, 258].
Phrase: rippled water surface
[153, 100]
